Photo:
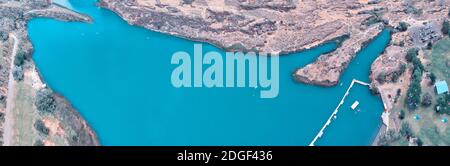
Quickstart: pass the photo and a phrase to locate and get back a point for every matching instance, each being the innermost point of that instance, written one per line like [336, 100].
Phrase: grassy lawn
[24, 116]
[440, 58]
[429, 128]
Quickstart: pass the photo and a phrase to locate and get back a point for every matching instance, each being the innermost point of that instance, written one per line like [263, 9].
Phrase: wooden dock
[336, 110]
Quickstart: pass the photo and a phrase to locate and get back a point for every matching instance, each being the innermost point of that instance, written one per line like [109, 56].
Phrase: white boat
[354, 105]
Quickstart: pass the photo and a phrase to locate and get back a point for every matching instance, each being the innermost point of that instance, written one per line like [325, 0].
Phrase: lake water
[118, 77]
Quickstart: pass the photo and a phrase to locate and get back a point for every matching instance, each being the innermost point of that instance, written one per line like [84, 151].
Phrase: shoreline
[67, 115]
[71, 108]
[338, 40]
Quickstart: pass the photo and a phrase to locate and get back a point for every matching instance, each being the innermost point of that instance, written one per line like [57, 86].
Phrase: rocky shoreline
[65, 122]
[234, 27]
[274, 26]
[284, 27]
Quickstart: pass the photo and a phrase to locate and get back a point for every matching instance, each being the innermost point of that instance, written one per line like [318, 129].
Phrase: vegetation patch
[45, 102]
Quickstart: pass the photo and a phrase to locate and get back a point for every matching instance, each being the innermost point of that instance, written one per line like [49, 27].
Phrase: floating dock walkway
[336, 110]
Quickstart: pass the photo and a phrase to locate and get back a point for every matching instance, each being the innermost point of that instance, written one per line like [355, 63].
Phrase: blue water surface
[118, 77]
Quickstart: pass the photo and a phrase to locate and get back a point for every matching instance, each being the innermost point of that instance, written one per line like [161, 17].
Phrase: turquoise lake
[118, 77]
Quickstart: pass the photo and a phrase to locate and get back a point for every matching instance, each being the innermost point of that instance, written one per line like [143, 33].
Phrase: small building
[441, 87]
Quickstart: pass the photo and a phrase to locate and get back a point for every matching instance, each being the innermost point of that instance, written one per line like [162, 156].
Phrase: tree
[429, 46]
[38, 143]
[419, 142]
[401, 115]
[40, 126]
[3, 36]
[411, 53]
[443, 105]
[426, 100]
[432, 78]
[381, 78]
[405, 130]
[445, 27]
[19, 58]
[18, 73]
[402, 26]
[45, 101]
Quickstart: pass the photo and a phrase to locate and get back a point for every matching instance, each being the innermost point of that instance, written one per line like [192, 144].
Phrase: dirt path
[7, 133]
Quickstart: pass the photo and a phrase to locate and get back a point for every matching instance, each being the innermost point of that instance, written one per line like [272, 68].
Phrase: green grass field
[440, 58]
[429, 128]
[24, 116]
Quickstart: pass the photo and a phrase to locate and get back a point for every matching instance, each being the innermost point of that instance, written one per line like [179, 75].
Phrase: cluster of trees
[392, 77]
[396, 74]
[388, 138]
[414, 90]
[45, 102]
[404, 132]
[411, 9]
[376, 18]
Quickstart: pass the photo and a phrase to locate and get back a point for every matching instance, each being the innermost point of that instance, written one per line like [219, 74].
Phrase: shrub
[398, 73]
[426, 100]
[432, 78]
[442, 105]
[402, 26]
[401, 116]
[38, 143]
[445, 27]
[3, 36]
[40, 126]
[19, 58]
[419, 142]
[405, 130]
[429, 46]
[187, 2]
[388, 138]
[45, 101]
[411, 53]
[2, 116]
[18, 73]
[381, 78]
